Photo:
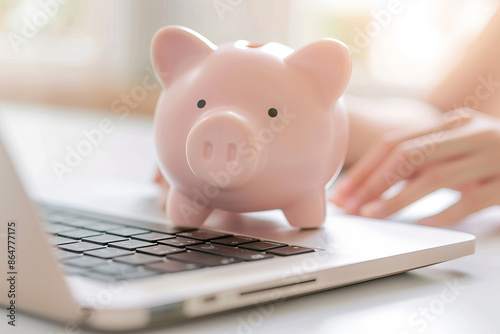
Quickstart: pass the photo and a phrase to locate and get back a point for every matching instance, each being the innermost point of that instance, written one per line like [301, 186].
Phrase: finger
[477, 200]
[164, 186]
[160, 180]
[357, 173]
[468, 187]
[412, 191]
[450, 174]
[373, 157]
[158, 177]
[471, 186]
[411, 157]
[376, 155]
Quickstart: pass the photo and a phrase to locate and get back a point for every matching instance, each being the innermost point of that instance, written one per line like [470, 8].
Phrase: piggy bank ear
[174, 47]
[329, 61]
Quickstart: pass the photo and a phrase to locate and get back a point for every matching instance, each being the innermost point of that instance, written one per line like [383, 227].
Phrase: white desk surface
[460, 296]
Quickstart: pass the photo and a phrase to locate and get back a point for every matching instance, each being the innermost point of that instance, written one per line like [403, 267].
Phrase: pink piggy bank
[246, 127]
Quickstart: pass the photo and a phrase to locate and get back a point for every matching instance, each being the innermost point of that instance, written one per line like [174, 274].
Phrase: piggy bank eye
[272, 112]
[201, 103]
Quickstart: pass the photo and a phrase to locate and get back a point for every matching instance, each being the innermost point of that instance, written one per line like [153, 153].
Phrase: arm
[459, 152]
[473, 83]
[465, 85]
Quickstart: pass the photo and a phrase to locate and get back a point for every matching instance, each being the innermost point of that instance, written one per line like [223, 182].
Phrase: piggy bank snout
[215, 150]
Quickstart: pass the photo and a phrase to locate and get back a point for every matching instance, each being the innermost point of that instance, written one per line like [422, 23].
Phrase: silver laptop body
[344, 251]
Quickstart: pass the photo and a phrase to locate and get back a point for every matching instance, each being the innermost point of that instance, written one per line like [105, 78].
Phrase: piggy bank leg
[309, 212]
[183, 211]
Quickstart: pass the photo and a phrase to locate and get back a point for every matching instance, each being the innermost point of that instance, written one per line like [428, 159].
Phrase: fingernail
[375, 209]
[352, 206]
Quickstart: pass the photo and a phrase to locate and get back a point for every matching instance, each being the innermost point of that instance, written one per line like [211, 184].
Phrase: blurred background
[87, 53]
[67, 65]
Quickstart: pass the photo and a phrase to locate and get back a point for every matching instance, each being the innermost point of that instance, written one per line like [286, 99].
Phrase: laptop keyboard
[110, 251]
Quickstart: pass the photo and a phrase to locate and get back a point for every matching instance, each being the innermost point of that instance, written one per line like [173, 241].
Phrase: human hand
[462, 153]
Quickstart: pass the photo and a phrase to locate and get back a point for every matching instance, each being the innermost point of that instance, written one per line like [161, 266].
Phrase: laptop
[96, 268]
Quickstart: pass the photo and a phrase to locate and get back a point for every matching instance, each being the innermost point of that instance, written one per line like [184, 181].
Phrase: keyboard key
[74, 270]
[75, 222]
[57, 228]
[234, 241]
[55, 217]
[204, 235]
[138, 259]
[105, 239]
[179, 242]
[109, 253]
[263, 245]
[170, 266]
[223, 250]
[290, 250]
[85, 261]
[100, 277]
[78, 234]
[141, 272]
[56, 240]
[171, 229]
[124, 271]
[160, 250]
[80, 247]
[153, 236]
[131, 244]
[114, 268]
[49, 214]
[203, 259]
[64, 255]
[127, 231]
[100, 226]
